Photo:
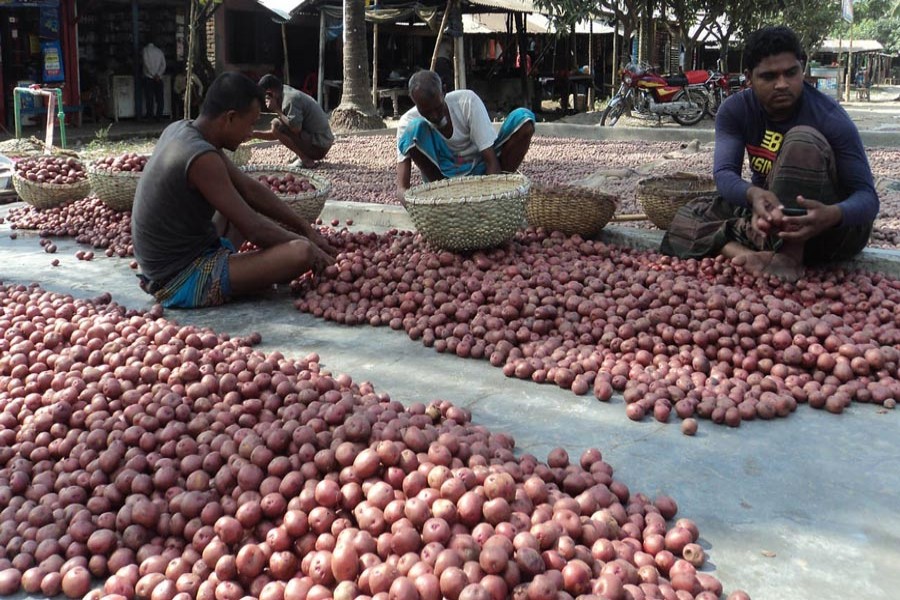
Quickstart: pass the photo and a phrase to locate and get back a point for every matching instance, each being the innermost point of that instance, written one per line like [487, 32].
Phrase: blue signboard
[53, 61]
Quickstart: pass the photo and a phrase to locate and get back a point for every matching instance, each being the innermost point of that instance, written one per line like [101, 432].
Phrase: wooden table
[327, 86]
[565, 86]
[394, 93]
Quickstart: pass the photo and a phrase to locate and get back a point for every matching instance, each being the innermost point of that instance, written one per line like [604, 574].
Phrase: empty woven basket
[569, 209]
[663, 195]
[469, 213]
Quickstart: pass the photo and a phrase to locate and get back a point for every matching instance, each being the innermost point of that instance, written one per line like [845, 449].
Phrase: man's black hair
[270, 82]
[231, 91]
[769, 41]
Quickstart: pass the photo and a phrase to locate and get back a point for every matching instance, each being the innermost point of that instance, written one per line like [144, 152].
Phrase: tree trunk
[356, 110]
[688, 53]
[723, 55]
[646, 42]
[628, 30]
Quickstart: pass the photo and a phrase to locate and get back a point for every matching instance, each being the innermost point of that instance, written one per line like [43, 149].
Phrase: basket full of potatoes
[50, 181]
[114, 179]
[301, 189]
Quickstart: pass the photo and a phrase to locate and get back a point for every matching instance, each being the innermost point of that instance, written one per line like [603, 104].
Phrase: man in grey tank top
[299, 123]
[183, 260]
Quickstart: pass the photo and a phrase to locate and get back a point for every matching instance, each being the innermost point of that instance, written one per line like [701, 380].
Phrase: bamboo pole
[590, 89]
[190, 60]
[615, 58]
[287, 64]
[459, 62]
[440, 34]
[375, 64]
[522, 42]
[849, 66]
[320, 80]
[628, 218]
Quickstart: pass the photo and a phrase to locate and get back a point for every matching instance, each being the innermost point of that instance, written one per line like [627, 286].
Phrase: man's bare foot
[755, 263]
[786, 268]
[770, 263]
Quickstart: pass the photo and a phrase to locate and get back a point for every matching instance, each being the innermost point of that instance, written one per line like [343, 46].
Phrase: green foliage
[873, 9]
[565, 13]
[102, 134]
[873, 20]
[811, 19]
[627, 13]
[687, 13]
[885, 30]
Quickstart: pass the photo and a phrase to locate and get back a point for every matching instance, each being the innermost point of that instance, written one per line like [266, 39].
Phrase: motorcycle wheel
[611, 114]
[693, 116]
[713, 102]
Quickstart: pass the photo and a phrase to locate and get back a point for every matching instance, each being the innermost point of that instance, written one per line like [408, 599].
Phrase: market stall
[37, 47]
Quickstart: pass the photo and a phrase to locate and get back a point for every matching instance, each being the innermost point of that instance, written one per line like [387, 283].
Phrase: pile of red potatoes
[170, 462]
[683, 338]
[89, 220]
[173, 463]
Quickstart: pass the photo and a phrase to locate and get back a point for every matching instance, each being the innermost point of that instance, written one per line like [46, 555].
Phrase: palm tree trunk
[356, 110]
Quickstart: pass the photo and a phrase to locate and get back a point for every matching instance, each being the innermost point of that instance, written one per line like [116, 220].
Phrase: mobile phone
[793, 211]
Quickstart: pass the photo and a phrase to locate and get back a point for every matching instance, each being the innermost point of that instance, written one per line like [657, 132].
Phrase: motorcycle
[719, 86]
[648, 94]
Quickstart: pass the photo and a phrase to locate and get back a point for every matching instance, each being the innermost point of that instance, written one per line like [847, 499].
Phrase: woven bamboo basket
[663, 195]
[241, 157]
[115, 189]
[309, 204]
[469, 213]
[49, 195]
[569, 209]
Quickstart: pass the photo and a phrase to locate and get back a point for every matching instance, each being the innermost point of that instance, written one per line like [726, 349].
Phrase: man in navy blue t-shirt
[811, 199]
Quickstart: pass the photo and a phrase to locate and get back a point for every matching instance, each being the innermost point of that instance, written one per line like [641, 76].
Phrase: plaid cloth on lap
[202, 283]
[702, 227]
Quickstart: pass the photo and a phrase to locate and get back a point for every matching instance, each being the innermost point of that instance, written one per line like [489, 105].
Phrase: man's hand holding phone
[807, 219]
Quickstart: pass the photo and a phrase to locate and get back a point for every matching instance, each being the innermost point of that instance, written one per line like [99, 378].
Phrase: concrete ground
[798, 508]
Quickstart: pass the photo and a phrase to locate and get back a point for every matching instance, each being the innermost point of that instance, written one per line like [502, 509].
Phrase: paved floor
[799, 508]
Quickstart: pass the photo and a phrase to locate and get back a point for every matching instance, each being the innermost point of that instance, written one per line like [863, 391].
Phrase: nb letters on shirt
[763, 156]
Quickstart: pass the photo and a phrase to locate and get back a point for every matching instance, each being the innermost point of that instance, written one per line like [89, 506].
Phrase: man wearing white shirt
[452, 135]
[154, 68]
